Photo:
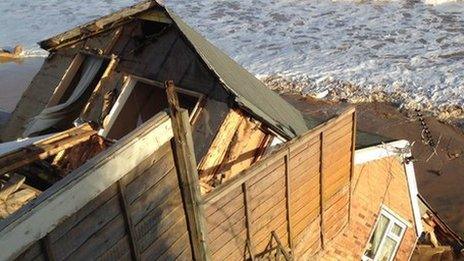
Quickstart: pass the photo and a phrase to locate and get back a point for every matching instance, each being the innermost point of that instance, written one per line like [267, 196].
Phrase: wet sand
[440, 176]
[15, 76]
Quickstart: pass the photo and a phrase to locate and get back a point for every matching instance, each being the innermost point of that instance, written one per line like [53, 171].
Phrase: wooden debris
[211, 162]
[14, 194]
[13, 184]
[45, 148]
[238, 144]
[70, 159]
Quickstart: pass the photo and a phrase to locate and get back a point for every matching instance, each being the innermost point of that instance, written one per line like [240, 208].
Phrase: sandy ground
[440, 176]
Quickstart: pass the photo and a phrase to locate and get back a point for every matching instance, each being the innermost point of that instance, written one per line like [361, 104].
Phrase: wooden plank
[150, 177]
[341, 126]
[234, 245]
[100, 242]
[153, 197]
[178, 250]
[68, 76]
[333, 177]
[119, 251]
[266, 172]
[170, 207]
[266, 202]
[64, 227]
[245, 150]
[137, 182]
[97, 91]
[259, 189]
[230, 235]
[337, 211]
[188, 175]
[343, 160]
[159, 225]
[279, 227]
[227, 209]
[34, 252]
[336, 197]
[166, 240]
[304, 223]
[135, 250]
[262, 220]
[86, 228]
[304, 172]
[95, 27]
[211, 162]
[225, 201]
[331, 190]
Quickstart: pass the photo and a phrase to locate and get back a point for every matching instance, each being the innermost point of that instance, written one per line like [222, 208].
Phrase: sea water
[412, 50]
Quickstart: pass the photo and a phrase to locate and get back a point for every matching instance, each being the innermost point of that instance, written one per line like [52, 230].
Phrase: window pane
[396, 230]
[387, 250]
[377, 236]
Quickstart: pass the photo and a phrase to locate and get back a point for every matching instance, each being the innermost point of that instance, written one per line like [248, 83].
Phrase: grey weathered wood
[135, 251]
[47, 249]
[188, 175]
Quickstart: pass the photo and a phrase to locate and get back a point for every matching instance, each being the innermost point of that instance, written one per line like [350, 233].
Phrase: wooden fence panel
[141, 216]
[301, 192]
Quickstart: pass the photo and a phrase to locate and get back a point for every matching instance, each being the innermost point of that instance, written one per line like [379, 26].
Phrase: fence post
[188, 175]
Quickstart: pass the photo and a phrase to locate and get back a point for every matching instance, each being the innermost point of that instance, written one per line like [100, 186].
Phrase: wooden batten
[188, 175]
[66, 80]
[98, 91]
[211, 162]
[237, 145]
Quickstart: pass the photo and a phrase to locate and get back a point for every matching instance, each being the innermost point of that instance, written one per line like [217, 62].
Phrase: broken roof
[250, 93]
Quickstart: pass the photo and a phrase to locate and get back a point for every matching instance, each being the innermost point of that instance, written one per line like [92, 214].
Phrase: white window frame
[393, 219]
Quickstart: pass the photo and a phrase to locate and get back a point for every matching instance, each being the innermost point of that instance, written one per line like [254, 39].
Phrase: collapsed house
[232, 172]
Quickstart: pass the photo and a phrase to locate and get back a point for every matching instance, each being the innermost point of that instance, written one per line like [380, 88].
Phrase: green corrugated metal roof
[250, 93]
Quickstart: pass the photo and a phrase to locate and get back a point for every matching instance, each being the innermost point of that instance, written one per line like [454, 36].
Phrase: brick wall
[375, 183]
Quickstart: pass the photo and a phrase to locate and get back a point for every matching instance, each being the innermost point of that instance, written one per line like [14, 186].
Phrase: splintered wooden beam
[188, 175]
[246, 148]
[211, 162]
[45, 148]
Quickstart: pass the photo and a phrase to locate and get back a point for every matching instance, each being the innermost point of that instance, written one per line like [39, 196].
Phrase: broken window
[385, 238]
[140, 100]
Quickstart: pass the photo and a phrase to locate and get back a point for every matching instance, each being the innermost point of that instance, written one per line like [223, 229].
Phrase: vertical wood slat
[288, 200]
[321, 188]
[353, 150]
[188, 175]
[47, 249]
[246, 199]
[135, 251]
